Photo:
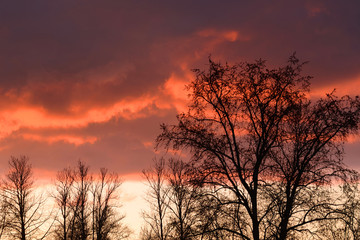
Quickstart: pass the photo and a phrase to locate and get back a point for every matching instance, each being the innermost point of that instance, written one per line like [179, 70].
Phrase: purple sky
[93, 80]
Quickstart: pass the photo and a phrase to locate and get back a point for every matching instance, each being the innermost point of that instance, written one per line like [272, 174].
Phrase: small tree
[183, 201]
[63, 198]
[156, 219]
[174, 202]
[87, 205]
[80, 222]
[106, 221]
[24, 209]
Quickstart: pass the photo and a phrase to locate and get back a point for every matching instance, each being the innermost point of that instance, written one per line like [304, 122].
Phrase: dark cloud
[54, 41]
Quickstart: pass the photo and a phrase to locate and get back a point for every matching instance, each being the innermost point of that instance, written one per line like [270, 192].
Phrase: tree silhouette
[183, 201]
[88, 205]
[173, 200]
[254, 135]
[156, 219]
[25, 211]
[106, 221]
[63, 198]
[80, 227]
[309, 154]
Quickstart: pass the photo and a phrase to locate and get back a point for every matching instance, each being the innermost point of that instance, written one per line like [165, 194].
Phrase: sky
[93, 80]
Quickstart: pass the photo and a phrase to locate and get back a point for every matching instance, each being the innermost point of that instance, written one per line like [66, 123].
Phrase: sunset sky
[93, 80]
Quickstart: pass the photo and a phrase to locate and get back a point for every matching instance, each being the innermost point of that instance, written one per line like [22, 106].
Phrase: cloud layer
[93, 80]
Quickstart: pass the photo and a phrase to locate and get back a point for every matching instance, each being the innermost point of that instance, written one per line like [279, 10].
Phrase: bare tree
[156, 219]
[80, 222]
[63, 198]
[174, 201]
[24, 209]
[249, 127]
[309, 155]
[106, 221]
[88, 206]
[183, 201]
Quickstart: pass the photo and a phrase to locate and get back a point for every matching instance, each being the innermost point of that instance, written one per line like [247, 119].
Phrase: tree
[174, 202]
[183, 201]
[253, 134]
[88, 205]
[63, 198]
[309, 155]
[23, 208]
[158, 200]
[106, 221]
[80, 222]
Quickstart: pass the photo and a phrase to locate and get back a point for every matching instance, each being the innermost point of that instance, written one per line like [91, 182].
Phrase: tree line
[86, 205]
[262, 160]
[180, 209]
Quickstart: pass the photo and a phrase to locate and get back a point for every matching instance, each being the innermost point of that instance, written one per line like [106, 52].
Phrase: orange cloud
[31, 117]
[353, 139]
[175, 94]
[230, 35]
[171, 94]
[343, 87]
[76, 140]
